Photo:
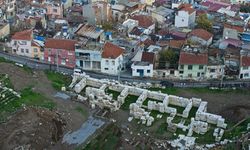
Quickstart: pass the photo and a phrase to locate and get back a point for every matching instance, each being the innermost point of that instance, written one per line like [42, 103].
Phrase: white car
[79, 72]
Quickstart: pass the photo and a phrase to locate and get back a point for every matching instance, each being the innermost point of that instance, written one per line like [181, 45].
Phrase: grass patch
[6, 81]
[114, 93]
[129, 99]
[207, 138]
[162, 128]
[145, 103]
[58, 80]
[192, 112]
[178, 108]
[237, 131]
[107, 140]
[81, 110]
[28, 98]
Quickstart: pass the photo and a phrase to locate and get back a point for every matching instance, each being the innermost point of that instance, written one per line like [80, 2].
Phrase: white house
[21, 43]
[88, 59]
[112, 59]
[143, 65]
[244, 67]
[185, 17]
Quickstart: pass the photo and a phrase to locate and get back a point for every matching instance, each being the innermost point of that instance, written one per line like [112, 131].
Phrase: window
[55, 10]
[246, 75]
[171, 71]
[148, 71]
[181, 72]
[190, 67]
[198, 74]
[212, 70]
[27, 50]
[113, 62]
[63, 62]
[190, 75]
[35, 50]
[107, 62]
[245, 68]
[49, 59]
[22, 50]
[200, 67]
[106, 68]
[182, 67]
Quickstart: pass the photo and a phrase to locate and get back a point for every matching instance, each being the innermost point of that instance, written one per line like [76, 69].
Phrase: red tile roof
[148, 57]
[245, 61]
[23, 35]
[60, 44]
[144, 21]
[193, 58]
[176, 43]
[111, 51]
[188, 9]
[201, 33]
[238, 28]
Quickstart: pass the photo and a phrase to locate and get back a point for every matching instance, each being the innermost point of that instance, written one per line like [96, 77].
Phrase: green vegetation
[178, 108]
[28, 98]
[168, 56]
[207, 138]
[5, 80]
[114, 93]
[58, 80]
[203, 22]
[107, 140]
[245, 8]
[81, 110]
[129, 99]
[236, 131]
[145, 103]
[3, 60]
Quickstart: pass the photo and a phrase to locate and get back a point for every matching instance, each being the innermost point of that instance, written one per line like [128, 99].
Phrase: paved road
[35, 64]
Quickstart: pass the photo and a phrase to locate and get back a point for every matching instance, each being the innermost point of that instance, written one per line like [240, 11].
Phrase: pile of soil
[32, 128]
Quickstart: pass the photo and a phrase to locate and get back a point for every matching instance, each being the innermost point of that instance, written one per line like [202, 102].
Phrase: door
[141, 72]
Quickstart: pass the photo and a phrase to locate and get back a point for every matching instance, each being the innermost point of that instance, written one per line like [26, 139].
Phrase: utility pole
[57, 65]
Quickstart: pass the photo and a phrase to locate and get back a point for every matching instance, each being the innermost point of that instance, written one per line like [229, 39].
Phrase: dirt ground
[32, 128]
[21, 79]
[234, 106]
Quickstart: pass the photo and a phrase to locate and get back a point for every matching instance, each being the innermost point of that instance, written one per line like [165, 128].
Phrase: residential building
[88, 57]
[54, 9]
[60, 52]
[144, 65]
[145, 23]
[201, 36]
[21, 43]
[147, 2]
[112, 59]
[118, 12]
[244, 67]
[37, 50]
[164, 16]
[232, 31]
[4, 30]
[192, 65]
[185, 17]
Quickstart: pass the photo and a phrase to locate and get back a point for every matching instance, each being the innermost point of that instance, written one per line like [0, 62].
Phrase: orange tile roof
[144, 21]
[176, 43]
[188, 9]
[245, 61]
[111, 51]
[201, 33]
[60, 44]
[238, 28]
[193, 58]
[23, 35]
[148, 57]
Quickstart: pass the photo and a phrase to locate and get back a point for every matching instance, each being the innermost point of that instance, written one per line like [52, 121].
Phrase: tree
[168, 56]
[203, 22]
